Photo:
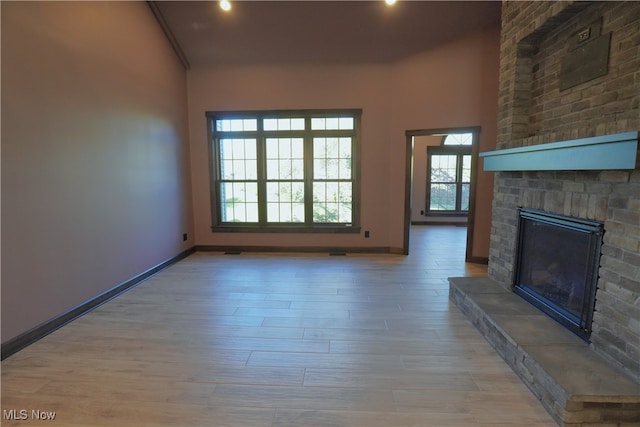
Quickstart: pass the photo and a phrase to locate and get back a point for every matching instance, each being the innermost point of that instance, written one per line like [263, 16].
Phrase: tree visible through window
[284, 170]
[449, 175]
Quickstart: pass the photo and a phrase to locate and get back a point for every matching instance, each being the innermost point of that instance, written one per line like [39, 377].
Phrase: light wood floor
[278, 340]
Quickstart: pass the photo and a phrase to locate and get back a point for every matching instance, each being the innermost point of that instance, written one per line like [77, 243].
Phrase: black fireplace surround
[557, 264]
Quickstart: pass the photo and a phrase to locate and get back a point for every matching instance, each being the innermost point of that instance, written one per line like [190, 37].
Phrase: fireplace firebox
[557, 264]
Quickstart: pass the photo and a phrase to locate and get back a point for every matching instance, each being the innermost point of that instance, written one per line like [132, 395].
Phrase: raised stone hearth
[576, 385]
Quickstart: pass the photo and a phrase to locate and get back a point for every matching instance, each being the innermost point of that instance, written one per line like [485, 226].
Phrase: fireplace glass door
[557, 266]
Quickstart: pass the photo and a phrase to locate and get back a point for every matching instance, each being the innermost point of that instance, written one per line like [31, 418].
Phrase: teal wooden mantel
[608, 152]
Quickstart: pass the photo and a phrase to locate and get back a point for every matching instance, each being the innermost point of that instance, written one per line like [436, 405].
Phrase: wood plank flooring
[278, 340]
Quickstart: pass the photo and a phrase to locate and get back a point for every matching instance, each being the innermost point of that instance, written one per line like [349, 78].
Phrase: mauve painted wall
[294, 87]
[454, 85]
[95, 182]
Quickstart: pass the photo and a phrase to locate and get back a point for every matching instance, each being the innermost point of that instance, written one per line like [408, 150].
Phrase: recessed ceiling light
[390, 2]
[225, 5]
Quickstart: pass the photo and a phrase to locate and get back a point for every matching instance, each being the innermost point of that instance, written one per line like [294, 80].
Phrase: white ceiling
[303, 31]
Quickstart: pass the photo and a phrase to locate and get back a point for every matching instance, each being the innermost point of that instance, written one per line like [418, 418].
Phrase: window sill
[328, 229]
[446, 213]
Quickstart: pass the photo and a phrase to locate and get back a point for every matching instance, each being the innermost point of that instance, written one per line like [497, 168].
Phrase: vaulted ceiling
[295, 32]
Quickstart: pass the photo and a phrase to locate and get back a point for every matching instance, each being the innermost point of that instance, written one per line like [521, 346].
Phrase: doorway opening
[440, 179]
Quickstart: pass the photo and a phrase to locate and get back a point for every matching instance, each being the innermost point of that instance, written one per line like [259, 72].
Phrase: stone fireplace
[559, 268]
[570, 79]
[533, 110]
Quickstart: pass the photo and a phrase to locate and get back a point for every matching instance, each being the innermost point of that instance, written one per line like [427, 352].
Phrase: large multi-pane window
[285, 170]
[449, 175]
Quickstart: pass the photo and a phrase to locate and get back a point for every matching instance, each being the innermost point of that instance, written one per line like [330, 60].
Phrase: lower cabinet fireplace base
[574, 384]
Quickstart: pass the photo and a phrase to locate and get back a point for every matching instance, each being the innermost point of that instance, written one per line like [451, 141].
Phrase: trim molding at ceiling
[169, 34]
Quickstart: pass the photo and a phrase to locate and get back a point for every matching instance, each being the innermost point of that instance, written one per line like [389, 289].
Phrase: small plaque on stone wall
[588, 56]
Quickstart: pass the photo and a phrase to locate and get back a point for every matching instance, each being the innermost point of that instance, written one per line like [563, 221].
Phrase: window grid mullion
[308, 173]
[261, 154]
[217, 175]
[458, 181]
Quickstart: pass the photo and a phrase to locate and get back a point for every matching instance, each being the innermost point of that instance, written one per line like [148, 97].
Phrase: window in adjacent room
[285, 170]
[449, 175]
